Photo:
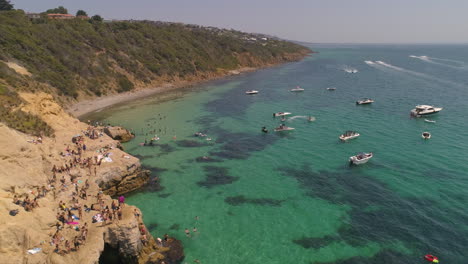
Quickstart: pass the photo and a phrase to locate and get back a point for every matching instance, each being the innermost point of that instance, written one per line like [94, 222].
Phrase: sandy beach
[88, 106]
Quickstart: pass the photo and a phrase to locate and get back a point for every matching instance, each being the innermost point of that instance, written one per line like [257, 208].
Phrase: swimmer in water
[187, 232]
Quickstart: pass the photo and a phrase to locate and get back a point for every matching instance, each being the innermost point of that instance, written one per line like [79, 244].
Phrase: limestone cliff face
[26, 166]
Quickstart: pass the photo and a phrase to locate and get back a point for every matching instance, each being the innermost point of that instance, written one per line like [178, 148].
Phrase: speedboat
[199, 134]
[349, 135]
[252, 92]
[297, 89]
[431, 258]
[429, 121]
[282, 127]
[421, 110]
[364, 101]
[331, 88]
[426, 135]
[281, 114]
[360, 158]
[351, 70]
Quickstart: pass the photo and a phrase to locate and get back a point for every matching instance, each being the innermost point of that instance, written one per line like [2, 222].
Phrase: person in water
[264, 130]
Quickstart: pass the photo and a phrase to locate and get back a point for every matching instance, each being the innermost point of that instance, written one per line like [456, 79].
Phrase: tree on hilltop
[5, 5]
[97, 18]
[58, 10]
[81, 13]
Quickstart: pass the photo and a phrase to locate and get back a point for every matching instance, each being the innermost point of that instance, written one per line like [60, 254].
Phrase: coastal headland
[62, 181]
[43, 179]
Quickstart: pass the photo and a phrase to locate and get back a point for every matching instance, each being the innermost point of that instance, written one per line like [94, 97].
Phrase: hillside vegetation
[75, 58]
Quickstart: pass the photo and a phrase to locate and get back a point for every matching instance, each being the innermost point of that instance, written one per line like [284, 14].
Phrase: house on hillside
[60, 16]
[83, 17]
[33, 15]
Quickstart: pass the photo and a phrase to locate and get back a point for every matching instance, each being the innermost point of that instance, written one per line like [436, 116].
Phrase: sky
[317, 21]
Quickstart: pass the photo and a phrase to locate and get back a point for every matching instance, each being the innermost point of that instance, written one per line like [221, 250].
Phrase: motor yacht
[422, 110]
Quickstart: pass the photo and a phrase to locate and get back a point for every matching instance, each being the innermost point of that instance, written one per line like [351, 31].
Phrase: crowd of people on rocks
[76, 207]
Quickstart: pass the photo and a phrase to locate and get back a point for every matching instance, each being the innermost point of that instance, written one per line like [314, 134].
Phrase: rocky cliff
[28, 166]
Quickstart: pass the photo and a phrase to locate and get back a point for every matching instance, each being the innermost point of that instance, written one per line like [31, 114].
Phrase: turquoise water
[292, 198]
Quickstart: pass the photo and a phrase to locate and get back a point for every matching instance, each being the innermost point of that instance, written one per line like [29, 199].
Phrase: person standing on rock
[121, 200]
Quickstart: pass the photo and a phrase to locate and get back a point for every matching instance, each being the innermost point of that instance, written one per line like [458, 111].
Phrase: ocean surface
[292, 197]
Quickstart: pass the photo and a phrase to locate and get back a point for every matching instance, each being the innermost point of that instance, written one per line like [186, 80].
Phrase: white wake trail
[294, 117]
[414, 73]
[431, 60]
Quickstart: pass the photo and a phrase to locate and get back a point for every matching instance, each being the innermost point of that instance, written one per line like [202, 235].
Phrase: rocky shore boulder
[118, 133]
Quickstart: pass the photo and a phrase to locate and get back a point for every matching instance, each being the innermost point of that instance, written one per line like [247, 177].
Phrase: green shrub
[125, 85]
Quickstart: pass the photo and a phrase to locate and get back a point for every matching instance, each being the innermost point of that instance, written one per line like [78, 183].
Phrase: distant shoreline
[89, 106]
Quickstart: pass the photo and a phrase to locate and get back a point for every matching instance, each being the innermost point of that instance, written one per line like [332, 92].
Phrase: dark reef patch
[174, 227]
[154, 183]
[152, 227]
[385, 256]
[241, 199]
[164, 195]
[239, 145]
[207, 159]
[142, 157]
[315, 242]
[422, 224]
[190, 143]
[216, 176]
[166, 148]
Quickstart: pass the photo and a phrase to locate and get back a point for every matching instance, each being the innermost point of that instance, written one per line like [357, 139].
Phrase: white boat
[360, 158]
[429, 121]
[364, 101]
[331, 88]
[199, 134]
[426, 135]
[297, 89]
[252, 92]
[421, 110]
[281, 114]
[349, 135]
[351, 70]
[282, 127]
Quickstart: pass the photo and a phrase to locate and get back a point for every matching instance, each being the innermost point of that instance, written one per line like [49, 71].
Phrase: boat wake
[454, 64]
[384, 65]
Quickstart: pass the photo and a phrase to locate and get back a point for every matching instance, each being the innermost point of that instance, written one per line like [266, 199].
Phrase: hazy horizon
[311, 21]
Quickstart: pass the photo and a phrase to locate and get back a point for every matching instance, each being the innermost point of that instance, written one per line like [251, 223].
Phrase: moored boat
[281, 114]
[360, 158]
[349, 135]
[426, 135]
[364, 101]
[251, 92]
[297, 89]
[282, 127]
[331, 88]
[422, 110]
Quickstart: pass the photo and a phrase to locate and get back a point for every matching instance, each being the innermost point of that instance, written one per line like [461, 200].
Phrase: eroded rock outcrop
[118, 133]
